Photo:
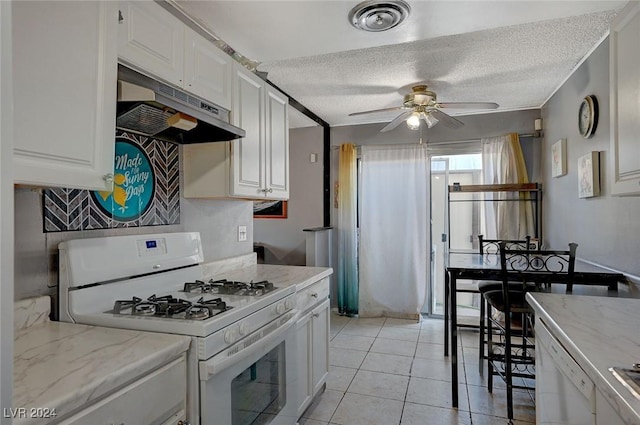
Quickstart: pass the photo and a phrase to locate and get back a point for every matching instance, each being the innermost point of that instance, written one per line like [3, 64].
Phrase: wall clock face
[588, 116]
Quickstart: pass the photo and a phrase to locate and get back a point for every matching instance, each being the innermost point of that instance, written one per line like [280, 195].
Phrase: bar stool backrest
[492, 246]
[549, 266]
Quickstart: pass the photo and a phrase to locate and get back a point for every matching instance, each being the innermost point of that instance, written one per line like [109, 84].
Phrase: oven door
[253, 381]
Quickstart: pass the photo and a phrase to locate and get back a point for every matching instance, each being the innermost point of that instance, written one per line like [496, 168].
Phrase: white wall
[606, 228]
[284, 239]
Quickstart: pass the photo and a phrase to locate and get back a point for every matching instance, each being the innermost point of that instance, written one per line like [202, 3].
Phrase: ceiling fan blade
[397, 120]
[468, 105]
[395, 108]
[445, 119]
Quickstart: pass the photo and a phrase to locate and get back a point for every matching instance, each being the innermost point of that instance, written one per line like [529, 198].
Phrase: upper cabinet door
[277, 144]
[151, 39]
[625, 108]
[247, 164]
[207, 70]
[65, 74]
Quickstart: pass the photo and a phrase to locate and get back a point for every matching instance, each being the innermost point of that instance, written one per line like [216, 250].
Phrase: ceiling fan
[421, 103]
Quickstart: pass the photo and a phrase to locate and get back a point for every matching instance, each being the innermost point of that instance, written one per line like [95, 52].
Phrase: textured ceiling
[513, 53]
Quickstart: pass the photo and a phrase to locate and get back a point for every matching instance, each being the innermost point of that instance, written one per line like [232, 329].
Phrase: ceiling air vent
[375, 16]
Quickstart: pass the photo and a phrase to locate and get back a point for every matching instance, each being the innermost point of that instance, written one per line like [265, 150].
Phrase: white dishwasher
[564, 393]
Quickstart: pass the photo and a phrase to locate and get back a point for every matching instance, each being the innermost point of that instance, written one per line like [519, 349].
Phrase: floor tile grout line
[413, 360]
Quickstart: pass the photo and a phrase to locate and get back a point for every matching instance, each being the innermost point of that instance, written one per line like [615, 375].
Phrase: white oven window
[259, 392]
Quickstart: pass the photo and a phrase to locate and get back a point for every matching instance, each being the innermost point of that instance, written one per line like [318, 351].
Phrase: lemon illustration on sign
[119, 194]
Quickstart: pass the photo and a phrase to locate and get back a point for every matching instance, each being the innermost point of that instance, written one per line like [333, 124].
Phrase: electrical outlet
[242, 233]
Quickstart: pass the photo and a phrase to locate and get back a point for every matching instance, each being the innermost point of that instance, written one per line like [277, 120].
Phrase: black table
[475, 266]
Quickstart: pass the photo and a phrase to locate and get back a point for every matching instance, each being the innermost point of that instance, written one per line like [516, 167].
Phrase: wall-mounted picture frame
[559, 158]
[270, 209]
[589, 175]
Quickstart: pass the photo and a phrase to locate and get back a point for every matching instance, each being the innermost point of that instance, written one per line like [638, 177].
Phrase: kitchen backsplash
[146, 191]
[36, 251]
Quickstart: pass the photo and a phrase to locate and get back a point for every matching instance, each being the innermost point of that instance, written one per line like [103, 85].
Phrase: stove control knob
[280, 308]
[244, 329]
[288, 304]
[230, 336]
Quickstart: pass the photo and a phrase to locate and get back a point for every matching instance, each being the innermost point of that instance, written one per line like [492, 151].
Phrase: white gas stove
[155, 283]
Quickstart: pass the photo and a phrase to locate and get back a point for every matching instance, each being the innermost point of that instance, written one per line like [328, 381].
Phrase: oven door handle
[226, 358]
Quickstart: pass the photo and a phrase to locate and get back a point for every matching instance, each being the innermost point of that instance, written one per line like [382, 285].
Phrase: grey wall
[475, 127]
[284, 240]
[606, 228]
[36, 260]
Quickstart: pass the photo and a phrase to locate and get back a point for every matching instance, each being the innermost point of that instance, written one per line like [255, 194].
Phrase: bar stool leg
[489, 348]
[481, 346]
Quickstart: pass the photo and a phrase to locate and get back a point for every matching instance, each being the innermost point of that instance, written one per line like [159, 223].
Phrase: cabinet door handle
[108, 178]
[316, 315]
[270, 190]
[314, 295]
[120, 17]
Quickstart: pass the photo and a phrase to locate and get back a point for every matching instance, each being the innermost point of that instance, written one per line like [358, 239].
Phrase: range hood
[151, 108]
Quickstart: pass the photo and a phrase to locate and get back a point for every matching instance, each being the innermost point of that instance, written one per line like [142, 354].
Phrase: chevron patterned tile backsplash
[131, 204]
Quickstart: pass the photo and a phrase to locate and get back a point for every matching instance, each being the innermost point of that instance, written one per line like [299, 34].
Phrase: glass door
[439, 178]
[453, 225]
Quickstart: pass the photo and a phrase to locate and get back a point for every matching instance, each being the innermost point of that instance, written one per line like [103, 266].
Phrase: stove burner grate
[229, 287]
[170, 307]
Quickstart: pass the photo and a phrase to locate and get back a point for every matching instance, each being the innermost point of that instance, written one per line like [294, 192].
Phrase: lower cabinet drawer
[156, 399]
[312, 295]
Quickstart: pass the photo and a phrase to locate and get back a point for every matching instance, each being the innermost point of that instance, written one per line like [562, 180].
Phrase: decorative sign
[146, 191]
[133, 184]
[559, 158]
[589, 175]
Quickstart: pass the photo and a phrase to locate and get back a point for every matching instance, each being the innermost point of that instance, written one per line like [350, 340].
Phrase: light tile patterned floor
[393, 372]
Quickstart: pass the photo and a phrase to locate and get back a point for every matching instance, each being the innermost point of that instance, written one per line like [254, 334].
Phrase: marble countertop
[64, 366]
[599, 333]
[300, 276]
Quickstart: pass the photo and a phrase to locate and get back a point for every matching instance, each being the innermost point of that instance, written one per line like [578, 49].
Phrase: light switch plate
[242, 233]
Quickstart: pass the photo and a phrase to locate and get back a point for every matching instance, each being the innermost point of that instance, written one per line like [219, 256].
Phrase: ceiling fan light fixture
[430, 120]
[379, 15]
[413, 122]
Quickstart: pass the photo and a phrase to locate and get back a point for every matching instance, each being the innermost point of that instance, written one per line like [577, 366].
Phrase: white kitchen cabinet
[248, 154]
[605, 414]
[254, 167]
[207, 70]
[277, 144]
[625, 108]
[304, 332]
[153, 41]
[313, 342]
[320, 344]
[158, 398]
[65, 72]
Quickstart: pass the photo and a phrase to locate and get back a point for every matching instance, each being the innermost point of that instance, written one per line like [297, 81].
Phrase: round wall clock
[588, 116]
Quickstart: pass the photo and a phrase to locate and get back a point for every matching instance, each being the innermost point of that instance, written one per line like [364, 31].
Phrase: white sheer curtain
[394, 231]
[502, 163]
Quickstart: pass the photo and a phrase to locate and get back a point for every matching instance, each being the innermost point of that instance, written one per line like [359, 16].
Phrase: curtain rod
[534, 135]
